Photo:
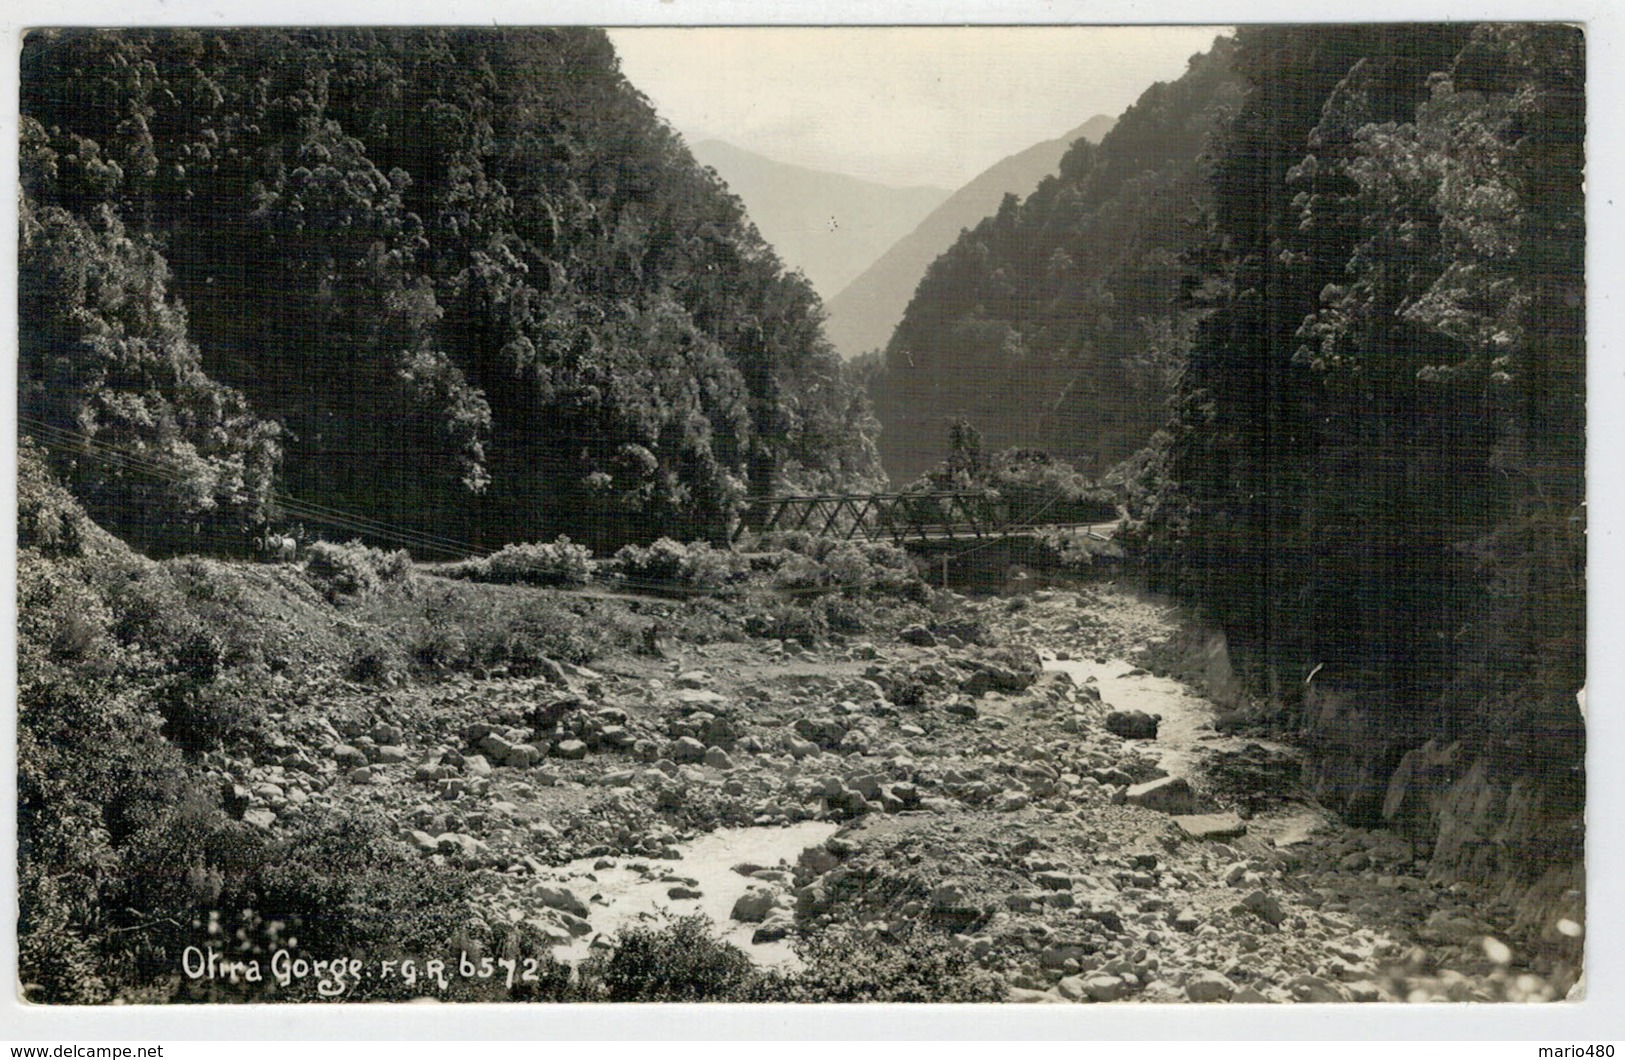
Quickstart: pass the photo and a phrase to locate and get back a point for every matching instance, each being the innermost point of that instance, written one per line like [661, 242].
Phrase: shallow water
[1187, 719]
[1187, 724]
[634, 890]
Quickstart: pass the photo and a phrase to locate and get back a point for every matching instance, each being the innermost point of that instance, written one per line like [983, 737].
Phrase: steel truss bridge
[919, 518]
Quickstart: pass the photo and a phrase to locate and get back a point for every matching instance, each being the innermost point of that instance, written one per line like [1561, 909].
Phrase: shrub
[92, 771]
[671, 566]
[450, 628]
[799, 575]
[60, 616]
[340, 885]
[1074, 554]
[856, 568]
[201, 713]
[788, 621]
[48, 518]
[375, 659]
[850, 615]
[57, 964]
[849, 967]
[439, 649]
[682, 961]
[353, 569]
[556, 563]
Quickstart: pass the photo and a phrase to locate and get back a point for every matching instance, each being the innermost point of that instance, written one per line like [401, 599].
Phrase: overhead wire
[120, 456]
[80, 443]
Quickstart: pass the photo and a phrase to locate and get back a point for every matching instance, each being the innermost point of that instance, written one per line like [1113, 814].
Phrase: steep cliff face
[1515, 828]
[1511, 826]
[1496, 827]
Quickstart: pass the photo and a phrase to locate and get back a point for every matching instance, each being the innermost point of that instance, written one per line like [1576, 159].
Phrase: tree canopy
[1326, 295]
[484, 291]
[1376, 454]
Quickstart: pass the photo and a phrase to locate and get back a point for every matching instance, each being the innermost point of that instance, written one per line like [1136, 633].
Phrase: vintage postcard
[1065, 515]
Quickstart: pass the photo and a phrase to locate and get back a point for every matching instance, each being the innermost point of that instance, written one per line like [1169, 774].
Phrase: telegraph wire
[83, 444]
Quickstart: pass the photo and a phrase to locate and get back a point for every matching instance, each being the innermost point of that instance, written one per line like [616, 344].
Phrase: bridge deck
[918, 517]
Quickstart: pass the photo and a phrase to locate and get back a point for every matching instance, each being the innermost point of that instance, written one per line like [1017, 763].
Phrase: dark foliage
[681, 962]
[488, 294]
[555, 563]
[1375, 460]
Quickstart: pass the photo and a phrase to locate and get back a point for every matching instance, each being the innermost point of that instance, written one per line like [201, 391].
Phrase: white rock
[1210, 986]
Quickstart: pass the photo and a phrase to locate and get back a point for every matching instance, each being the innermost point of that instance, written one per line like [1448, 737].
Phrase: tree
[109, 380]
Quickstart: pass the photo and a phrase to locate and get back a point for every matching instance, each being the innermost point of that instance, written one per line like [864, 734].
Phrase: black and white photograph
[828, 515]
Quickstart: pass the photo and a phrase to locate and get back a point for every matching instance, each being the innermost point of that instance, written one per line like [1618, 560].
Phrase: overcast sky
[900, 105]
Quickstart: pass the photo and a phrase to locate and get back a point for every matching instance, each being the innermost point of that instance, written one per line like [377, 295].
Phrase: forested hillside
[1376, 455]
[1328, 291]
[463, 283]
[1056, 322]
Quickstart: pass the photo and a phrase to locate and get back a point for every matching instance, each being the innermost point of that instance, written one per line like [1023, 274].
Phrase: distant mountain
[828, 225]
[862, 316]
[1059, 321]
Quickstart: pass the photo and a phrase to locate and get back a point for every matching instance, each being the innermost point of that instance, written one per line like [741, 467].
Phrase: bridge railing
[901, 517]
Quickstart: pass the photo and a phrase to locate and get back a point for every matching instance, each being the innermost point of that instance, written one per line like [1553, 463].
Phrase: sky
[903, 106]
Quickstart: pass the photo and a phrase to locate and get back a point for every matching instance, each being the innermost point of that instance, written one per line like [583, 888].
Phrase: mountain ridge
[829, 225]
[862, 315]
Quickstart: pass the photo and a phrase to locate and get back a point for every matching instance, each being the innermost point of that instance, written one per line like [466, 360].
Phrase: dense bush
[48, 519]
[1374, 464]
[1019, 486]
[110, 381]
[669, 565]
[201, 713]
[846, 968]
[1041, 489]
[683, 961]
[490, 272]
[353, 569]
[1070, 553]
[802, 622]
[340, 884]
[826, 564]
[556, 563]
[126, 670]
[447, 628]
[93, 770]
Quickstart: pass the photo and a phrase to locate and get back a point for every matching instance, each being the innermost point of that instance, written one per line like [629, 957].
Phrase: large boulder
[545, 715]
[1266, 907]
[1008, 670]
[754, 905]
[1098, 987]
[562, 899]
[1171, 795]
[774, 928]
[918, 636]
[686, 749]
[826, 732]
[1133, 724]
[1211, 825]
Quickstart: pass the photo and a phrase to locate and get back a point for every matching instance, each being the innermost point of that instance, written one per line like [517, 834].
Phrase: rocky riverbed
[1013, 781]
